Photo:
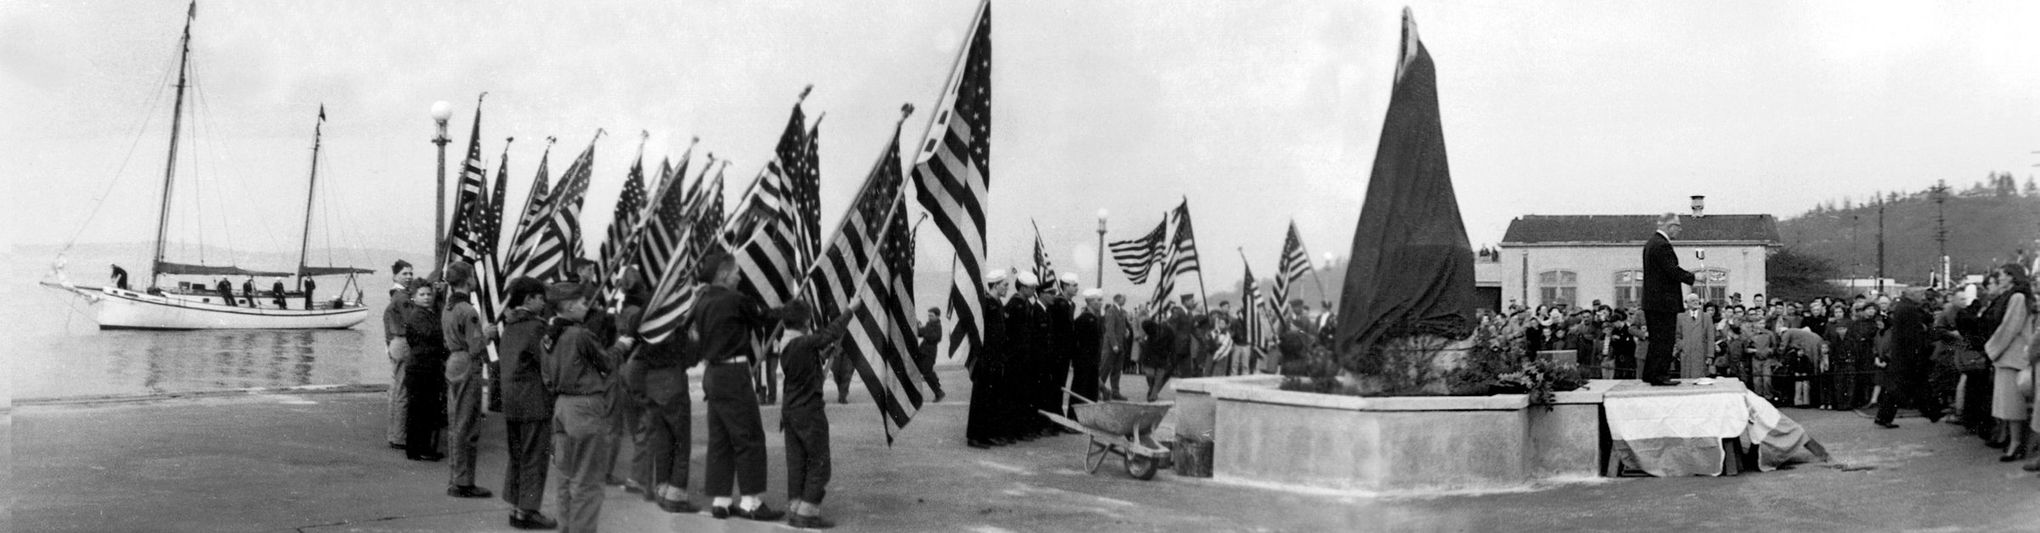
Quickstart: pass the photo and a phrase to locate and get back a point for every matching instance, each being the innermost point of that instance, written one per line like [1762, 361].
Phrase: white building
[1574, 260]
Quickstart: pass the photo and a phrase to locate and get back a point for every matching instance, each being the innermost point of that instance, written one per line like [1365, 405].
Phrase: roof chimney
[1699, 205]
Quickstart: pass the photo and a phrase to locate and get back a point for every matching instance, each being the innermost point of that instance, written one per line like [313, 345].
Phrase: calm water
[65, 354]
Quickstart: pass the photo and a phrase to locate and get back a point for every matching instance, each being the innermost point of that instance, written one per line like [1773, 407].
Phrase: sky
[1257, 113]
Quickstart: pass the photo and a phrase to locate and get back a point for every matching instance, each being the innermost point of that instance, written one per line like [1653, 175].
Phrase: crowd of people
[1967, 350]
[576, 382]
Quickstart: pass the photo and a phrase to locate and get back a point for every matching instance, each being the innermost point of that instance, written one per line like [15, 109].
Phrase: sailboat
[191, 306]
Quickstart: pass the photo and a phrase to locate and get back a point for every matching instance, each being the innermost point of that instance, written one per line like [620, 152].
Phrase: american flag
[771, 255]
[1250, 308]
[665, 221]
[1182, 253]
[623, 228]
[468, 240]
[492, 228]
[552, 245]
[881, 331]
[1044, 269]
[1138, 257]
[834, 280]
[674, 288]
[534, 208]
[1294, 264]
[953, 172]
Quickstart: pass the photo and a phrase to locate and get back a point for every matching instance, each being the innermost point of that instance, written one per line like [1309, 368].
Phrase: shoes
[762, 514]
[680, 506]
[809, 522]
[531, 520]
[979, 444]
[842, 399]
[426, 457]
[468, 491]
[395, 446]
[2031, 467]
[1886, 424]
[1934, 418]
[2012, 456]
[720, 512]
[938, 399]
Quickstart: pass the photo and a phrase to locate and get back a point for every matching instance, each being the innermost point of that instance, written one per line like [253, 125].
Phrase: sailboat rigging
[186, 306]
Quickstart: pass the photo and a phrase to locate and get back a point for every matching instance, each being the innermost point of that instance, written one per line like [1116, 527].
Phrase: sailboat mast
[176, 124]
[311, 191]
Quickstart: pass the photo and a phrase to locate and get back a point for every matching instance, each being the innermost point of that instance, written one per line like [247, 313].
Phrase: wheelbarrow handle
[1078, 396]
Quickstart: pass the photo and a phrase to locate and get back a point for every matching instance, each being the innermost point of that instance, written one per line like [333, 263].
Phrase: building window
[1628, 288]
[1558, 288]
[1711, 284]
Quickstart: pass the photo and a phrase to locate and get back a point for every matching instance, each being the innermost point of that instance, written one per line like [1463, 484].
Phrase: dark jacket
[990, 358]
[725, 319]
[524, 394]
[805, 376]
[578, 363]
[1909, 340]
[1662, 276]
[1026, 328]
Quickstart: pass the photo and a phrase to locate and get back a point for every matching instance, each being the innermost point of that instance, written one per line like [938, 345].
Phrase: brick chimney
[1699, 205]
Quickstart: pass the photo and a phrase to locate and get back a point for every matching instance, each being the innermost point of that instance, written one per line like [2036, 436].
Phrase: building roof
[1634, 229]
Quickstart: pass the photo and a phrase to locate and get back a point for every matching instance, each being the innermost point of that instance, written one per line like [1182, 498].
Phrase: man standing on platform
[1661, 299]
[1696, 339]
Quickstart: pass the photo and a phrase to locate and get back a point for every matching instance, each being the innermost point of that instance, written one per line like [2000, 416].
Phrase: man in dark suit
[1904, 372]
[1662, 299]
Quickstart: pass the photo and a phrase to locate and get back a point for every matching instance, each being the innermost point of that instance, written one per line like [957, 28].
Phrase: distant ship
[188, 305]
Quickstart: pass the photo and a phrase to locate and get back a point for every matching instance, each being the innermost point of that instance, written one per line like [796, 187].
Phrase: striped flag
[467, 239]
[623, 226]
[834, 279]
[674, 288]
[953, 172]
[534, 208]
[492, 227]
[556, 239]
[468, 192]
[1182, 253]
[769, 259]
[1138, 257]
[880, 343]
[1294, 264]
[1250, 309]
[1044, 269]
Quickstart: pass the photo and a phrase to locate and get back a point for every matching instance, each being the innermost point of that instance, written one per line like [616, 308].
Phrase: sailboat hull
[119, 309]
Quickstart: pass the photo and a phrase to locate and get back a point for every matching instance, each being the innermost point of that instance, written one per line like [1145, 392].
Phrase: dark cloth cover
[1412, 266]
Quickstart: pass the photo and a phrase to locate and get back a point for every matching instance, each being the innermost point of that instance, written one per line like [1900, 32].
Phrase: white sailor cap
[995, 276]
[1068, 278]
[1094, 293]
[1028, 279]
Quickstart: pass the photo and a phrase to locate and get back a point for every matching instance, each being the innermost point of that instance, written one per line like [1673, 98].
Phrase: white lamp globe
[441, 111]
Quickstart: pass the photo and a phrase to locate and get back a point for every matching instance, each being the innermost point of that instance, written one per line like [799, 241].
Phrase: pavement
[315, 461]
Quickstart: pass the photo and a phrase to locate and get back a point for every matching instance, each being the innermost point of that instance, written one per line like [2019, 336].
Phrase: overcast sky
[1257, 112]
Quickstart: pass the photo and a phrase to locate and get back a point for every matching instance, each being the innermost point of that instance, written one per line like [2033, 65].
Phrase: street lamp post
[440, 112]
[1101, 248]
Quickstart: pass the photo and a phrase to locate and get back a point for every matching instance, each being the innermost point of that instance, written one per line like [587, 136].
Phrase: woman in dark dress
[424, 374]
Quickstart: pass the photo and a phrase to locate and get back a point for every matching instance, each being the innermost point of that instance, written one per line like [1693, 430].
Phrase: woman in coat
[2009, 348]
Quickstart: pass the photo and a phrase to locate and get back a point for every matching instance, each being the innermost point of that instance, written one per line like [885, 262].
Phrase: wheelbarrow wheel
[1139, 466]
[1095, 457]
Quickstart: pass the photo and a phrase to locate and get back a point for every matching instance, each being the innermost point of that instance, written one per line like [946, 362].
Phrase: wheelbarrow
[1125, 429]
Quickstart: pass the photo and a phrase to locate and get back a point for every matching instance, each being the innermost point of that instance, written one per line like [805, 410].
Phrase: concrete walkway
[316, 462]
